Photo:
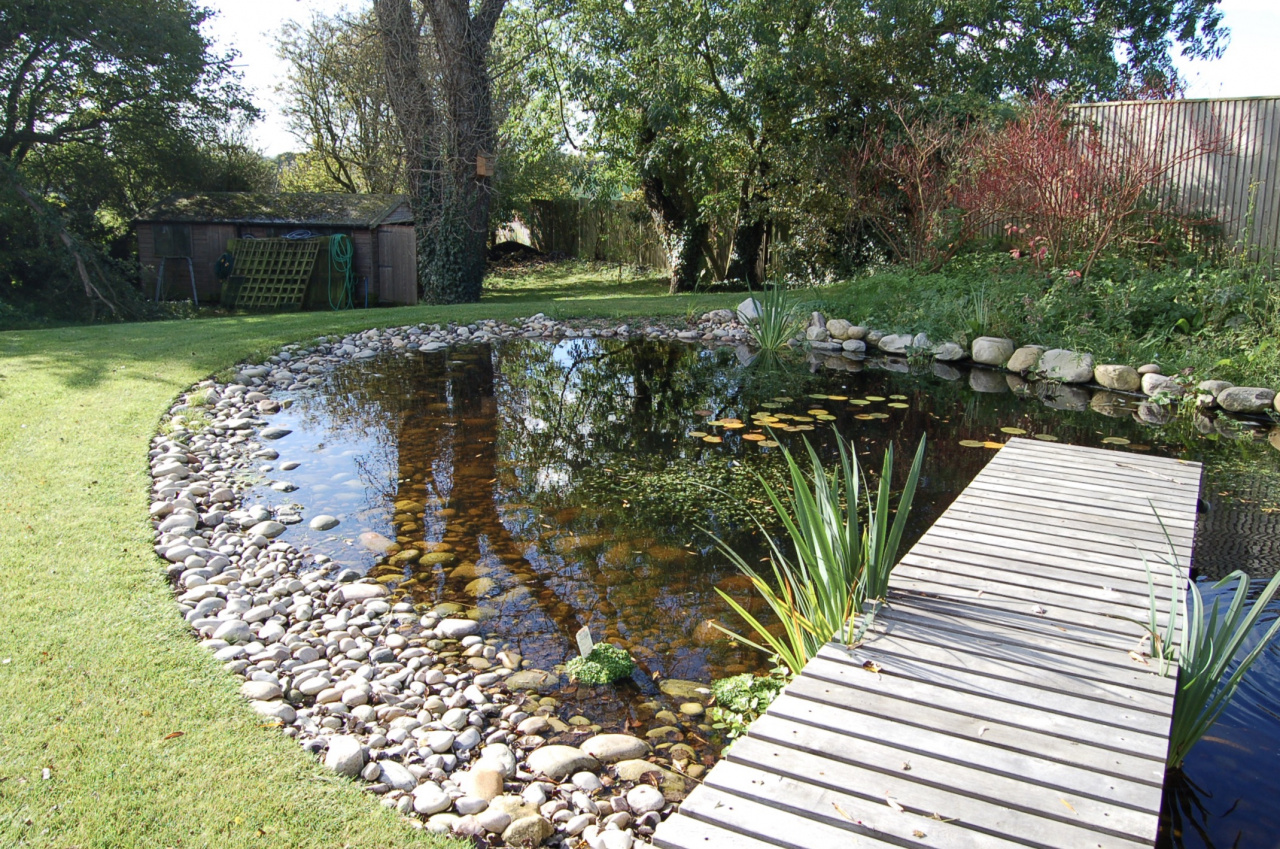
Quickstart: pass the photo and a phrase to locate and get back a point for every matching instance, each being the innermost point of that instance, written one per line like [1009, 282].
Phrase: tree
[99, 99]
[734, 116]
[437, 71]
[338, 105]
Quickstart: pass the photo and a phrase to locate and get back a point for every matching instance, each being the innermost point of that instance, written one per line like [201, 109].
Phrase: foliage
[741, 699]
[605, 664]
[838, 564]
[777, 319]
[1210, 661]
[1067, 191]
[337, 105]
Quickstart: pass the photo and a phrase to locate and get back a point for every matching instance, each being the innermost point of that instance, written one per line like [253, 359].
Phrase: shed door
[397, 266]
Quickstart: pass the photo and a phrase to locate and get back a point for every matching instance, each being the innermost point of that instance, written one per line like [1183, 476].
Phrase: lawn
[144, 736]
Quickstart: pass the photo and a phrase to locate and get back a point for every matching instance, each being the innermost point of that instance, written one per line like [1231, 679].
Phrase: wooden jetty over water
[997, 703]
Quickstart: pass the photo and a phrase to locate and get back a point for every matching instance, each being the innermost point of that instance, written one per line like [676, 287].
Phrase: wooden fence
[1218, 184]
[604, 231]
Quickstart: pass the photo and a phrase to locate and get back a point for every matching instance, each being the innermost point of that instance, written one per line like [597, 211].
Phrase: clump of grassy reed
[837, 563]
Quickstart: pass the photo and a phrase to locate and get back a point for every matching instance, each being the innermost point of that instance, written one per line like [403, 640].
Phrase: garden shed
[187, 236]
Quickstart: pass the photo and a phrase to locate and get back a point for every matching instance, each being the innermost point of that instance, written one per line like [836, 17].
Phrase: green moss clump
[740, 699]
[605, 664]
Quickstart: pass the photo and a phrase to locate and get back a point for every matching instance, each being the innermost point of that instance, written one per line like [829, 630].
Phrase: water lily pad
[879, 415]
[696, 434]
[703, 413]
[753, 437]
[801, 418]
[1014, 431]
[865, 416]
[971, 443]
[897, 397]
[861, 402]
[712, 439]
[898, 405]
[837, 397]
[772, 405]
[875, 397]
[1046, 437]
[825, 418]
[804, 427]
[1115, 440]
[734, 425]
[819, 396]
[817, 411]
[995, 446]
[769, 443]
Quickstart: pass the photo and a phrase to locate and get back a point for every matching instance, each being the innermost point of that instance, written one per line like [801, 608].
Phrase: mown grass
[97, 670]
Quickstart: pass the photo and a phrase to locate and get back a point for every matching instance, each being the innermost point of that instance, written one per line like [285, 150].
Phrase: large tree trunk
[676, 216]
[442, 101]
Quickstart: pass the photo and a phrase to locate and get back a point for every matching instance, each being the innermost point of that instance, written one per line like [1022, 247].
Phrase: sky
[1249, 67]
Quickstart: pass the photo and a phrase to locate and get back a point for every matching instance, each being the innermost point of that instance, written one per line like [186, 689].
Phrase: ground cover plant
[145, 737]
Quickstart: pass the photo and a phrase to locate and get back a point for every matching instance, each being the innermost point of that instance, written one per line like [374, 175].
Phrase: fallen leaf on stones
[174, 734]
[917, 833]
[1138, 657]
[1068, 804]
[891, 802]
[842, 813]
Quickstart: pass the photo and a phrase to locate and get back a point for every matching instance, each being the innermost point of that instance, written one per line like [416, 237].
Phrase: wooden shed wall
[397, 265]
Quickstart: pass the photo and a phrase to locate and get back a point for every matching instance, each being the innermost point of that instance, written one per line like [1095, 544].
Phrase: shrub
[605, 664]
[740, 699]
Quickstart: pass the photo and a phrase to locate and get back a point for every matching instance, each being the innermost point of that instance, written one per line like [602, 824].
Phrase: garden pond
[549, 487]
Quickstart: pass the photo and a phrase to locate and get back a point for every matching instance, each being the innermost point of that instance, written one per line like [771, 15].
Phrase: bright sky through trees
[1248, 68]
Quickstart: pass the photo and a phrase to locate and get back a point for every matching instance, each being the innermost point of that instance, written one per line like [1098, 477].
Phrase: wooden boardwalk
[1006, 710]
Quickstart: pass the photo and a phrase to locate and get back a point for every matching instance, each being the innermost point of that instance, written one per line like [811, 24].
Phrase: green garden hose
[340, 253]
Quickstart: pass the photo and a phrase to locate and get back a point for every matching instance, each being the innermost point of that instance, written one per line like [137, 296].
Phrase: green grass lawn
[98, 672]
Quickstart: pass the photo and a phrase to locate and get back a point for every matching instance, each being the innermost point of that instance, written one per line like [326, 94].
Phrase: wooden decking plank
[1013, 569]
[922, 623]
[842, 809]
[985, 709]
[1055, 500]
[1083, 516]
[737, 815]
[1021, 662]
[1027, 593]
[1163, 467]
[997, 687]
[991, 731]
[1024, 792]
[1072, 629]
[999, 529]
[686, 832]
[963, 811]
[1083, 487]
[1131, 715]
[1137, 480]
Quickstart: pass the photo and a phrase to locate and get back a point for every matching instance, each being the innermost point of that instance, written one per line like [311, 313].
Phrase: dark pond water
[552, 487]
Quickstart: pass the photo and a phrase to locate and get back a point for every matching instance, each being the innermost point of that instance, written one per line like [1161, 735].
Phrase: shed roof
[324, 209]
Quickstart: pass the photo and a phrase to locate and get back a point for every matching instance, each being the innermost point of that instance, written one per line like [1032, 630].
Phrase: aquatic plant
[740, 699]
[839, 563]
[777, 320]
[605, 664]
[1209, 667]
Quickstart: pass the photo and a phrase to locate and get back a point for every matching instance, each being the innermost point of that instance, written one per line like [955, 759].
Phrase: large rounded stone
[611, 748]
[261, 690]
[1066, 366]
[948, 352]
[397, 775]
[533, 679]
[430, 798]
[361, 592]
[1025, 358]
[456, 629]
[560, 761]
[323, 522]
[895, 343]
[483, 781]
[839, 329]
[992, 350]
[685, 691]
[1246, 399]
[1118, 377]
[1153, 383]
[991, 382]
[269, 529]
[345, 755]
[528, 831]
[233, 631]
[854, 346]
[644, 798]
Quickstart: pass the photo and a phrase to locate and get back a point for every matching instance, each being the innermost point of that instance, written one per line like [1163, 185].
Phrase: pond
[551, 487]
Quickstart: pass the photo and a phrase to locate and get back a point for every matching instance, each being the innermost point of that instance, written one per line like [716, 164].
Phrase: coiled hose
[340, 253]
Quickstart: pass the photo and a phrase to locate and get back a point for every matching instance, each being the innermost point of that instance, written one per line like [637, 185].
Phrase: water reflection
[551, 487]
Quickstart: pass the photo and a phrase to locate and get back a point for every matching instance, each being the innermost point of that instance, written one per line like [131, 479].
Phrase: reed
[777, 319]
[836, 563]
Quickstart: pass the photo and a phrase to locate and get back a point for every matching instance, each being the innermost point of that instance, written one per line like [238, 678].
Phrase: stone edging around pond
[443, 725]
[1038, 362]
